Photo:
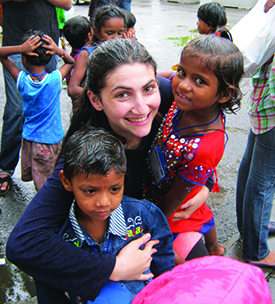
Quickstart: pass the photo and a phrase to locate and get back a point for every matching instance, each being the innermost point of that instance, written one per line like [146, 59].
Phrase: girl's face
[195, 87]
[130, 101]
[112, 29]
[204, 28]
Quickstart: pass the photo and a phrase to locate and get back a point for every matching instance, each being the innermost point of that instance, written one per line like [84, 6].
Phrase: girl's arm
[54, 49]
[192, 205]
[175, 196]
[74, 88]
[26, 48]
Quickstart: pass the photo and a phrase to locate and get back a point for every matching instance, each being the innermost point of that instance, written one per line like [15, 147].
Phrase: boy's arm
[26, 48]
[54, 49]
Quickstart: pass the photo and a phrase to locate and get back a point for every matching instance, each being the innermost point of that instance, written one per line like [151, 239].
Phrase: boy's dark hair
[76, 31]
[93, 151]
[42, 58]
[222, 57]
[130, 19]
[213, 14]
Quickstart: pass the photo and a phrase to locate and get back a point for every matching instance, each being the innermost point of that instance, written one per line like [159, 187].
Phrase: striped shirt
[261, 103]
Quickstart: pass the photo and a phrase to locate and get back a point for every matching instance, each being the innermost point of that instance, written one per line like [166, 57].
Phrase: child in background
[78, 32]
[40, 92]
[109, 23]
[130, 24]
[191, 140]
[210, 17]
[101, 218]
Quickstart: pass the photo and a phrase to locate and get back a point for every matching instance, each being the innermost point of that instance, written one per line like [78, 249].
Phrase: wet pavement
[160, 25]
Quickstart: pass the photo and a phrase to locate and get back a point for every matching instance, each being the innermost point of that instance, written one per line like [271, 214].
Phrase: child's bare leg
[211, 243]
[178, 258]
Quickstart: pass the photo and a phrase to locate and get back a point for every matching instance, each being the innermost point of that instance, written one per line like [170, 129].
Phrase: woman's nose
[140, 105]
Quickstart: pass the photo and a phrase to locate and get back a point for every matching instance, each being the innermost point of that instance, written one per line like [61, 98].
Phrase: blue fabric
[207, 226]
[13, 119]
[41, 107]
[125, 4]
[255, 192]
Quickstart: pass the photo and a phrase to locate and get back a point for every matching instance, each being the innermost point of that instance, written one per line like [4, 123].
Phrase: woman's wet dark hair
[103, 61]
[93, 151]
[42, 58]
[222, 57]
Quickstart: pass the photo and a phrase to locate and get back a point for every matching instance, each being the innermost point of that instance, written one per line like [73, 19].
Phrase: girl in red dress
[191, 140]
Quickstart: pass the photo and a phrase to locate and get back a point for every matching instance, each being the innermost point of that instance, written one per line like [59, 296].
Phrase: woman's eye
[122, 95]
[149, 88]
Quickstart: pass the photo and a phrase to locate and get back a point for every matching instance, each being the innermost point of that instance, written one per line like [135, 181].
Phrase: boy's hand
[131, 261]
[52, 47]
[31, 44]
[128, 34]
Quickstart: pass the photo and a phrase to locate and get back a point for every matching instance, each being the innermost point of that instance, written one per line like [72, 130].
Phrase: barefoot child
[191, 140]
[101, 219]
[40, 92]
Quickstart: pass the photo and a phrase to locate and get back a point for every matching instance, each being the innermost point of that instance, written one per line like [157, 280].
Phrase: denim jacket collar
[117, 224]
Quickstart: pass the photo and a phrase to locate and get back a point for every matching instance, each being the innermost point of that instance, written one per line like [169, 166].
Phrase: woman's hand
[131, 261]
[192, 205]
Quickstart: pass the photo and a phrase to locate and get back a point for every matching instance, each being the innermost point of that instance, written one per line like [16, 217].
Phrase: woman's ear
[95, 101]
[66, 183]
[227, 95]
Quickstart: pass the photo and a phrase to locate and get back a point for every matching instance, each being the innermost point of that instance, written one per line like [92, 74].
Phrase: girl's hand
[31, 44]
[129, 34]
[192, 205]
[52, 47]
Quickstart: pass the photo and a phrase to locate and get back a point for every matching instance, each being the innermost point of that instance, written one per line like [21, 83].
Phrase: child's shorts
[38, 161]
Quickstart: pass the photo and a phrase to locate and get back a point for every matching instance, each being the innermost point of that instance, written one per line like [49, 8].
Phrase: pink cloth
[185, 242]
[208, 280]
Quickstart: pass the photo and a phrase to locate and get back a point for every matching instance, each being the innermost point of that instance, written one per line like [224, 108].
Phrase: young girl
[109, 23]
[191, 140]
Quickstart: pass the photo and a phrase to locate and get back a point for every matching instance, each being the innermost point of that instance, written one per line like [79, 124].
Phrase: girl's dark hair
[103, 14]
[222, 57]
[105, 59]
[76, 31]
[42, 58]
[130, 19]
[213, 14]
[93, 151]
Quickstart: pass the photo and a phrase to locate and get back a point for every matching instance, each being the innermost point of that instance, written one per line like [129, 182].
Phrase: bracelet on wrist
[63, 54]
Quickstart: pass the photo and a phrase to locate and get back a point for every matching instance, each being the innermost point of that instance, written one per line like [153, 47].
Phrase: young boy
[101, 218]
[210, 17]
[40, 92]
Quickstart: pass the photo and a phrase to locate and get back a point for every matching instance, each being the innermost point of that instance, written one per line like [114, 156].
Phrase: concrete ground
[160, 27]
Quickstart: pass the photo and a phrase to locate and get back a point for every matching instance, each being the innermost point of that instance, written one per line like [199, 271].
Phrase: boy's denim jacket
[128, 222]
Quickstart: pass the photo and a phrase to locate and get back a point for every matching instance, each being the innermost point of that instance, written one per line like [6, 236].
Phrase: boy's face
[96, 196]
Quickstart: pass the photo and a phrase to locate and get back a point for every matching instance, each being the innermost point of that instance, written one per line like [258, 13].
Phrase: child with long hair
[109, 23]
[191, 140]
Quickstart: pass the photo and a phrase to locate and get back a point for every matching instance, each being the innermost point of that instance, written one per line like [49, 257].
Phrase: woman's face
[130, 100]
